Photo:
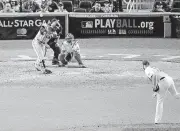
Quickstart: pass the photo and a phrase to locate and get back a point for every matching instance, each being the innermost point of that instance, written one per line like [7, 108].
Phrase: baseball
[41, 15]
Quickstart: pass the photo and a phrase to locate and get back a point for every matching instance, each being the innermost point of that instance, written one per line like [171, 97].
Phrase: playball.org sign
[116, 26]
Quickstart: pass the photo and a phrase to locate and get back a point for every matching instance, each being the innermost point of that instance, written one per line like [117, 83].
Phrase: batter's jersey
[41, 37]
[47, 35]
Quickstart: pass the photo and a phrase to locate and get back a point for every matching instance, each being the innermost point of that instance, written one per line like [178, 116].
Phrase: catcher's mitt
[156, 89]
[68, 57]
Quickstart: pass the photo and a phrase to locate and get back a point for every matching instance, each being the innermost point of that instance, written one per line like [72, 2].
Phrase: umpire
[53, 43]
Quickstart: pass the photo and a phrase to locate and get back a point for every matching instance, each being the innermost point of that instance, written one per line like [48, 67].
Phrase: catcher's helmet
[69, 36]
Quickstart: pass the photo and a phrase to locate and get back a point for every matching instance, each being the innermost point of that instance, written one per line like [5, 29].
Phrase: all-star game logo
[21, 32]
[22, 23]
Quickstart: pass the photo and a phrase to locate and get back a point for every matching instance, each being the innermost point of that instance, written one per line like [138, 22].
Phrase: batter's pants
[39, 50]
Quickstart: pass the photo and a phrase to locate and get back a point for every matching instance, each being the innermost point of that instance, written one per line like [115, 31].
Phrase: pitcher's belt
[162, 78]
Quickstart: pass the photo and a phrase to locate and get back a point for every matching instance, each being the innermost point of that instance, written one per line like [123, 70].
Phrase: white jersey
[154, 74]
[41, 38]
[45, 37]
[70, 47]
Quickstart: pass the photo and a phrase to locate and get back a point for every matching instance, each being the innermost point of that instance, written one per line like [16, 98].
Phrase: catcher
[162, 83]
[69, 49]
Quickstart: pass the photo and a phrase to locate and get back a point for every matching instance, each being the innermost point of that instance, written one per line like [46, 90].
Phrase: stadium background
[111, 94]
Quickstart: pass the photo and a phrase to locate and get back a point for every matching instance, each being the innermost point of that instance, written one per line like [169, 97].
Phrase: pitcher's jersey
[154, 74]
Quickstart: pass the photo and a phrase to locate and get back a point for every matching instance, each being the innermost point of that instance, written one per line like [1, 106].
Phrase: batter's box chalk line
[21, 78]
[171, 58]
[126, 56]
[129, 74]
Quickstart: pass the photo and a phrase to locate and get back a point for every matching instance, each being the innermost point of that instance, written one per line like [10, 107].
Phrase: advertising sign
[24, 27]
[115, 25]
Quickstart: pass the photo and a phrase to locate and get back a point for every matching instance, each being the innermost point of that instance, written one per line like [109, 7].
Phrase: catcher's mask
[69, 37]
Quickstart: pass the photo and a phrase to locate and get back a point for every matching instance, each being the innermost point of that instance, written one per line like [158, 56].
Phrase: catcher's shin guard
[62, 59]
[77, 56]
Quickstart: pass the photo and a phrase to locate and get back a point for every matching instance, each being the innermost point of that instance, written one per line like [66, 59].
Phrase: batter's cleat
[82, 66]
[38, 67]
[46, 71]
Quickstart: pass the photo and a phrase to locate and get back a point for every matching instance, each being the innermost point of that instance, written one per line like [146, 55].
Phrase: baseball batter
[39, 44]
[69, 49]
[162, 83]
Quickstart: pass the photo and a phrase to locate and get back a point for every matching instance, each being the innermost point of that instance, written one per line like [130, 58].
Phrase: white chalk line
[24, 78]
[126, 56]
[171, 58]
[23, 57]
[21, 78]
[129, 74]
[119, 54]
[26, 57]
[131, 56]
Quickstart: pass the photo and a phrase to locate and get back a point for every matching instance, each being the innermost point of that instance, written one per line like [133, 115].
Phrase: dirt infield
[112, 94]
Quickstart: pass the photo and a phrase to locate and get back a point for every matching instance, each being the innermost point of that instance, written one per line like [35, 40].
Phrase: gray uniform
[166, 84]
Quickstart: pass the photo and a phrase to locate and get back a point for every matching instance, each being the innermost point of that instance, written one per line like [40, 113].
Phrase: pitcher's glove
[156, 89]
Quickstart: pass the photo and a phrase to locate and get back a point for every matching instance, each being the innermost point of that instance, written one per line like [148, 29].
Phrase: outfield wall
[88, 25]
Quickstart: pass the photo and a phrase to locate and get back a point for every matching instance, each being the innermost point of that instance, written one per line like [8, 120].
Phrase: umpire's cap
[54, 19]
[145, 62]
